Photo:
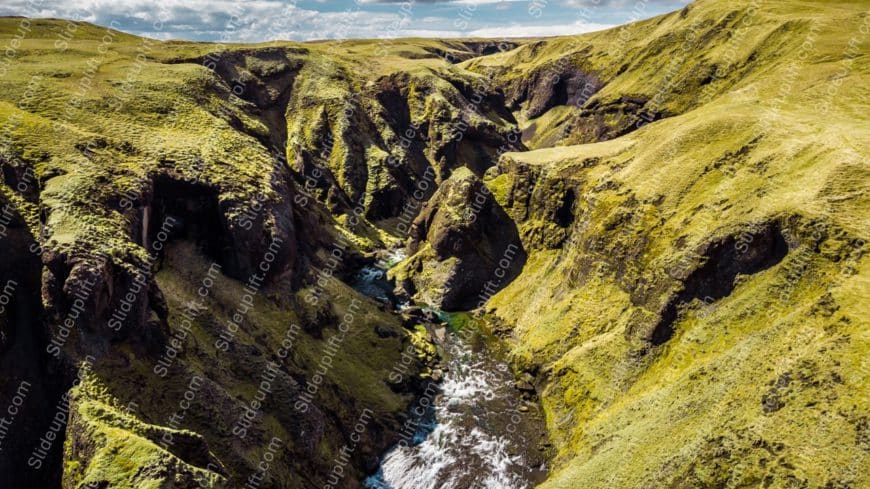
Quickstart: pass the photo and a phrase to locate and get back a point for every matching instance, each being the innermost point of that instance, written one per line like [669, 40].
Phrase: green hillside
[703, 320]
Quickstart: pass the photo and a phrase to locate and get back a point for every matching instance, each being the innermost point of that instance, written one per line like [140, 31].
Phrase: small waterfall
[371, 280]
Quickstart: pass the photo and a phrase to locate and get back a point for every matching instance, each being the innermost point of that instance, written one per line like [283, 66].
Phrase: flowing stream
[473, 430]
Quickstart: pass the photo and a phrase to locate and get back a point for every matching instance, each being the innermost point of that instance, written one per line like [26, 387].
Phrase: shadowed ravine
[471, 429]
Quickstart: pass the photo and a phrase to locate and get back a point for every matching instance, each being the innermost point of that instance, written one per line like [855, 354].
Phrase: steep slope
[694, 303]
[183, 323]
[598, 86]
[463, 247]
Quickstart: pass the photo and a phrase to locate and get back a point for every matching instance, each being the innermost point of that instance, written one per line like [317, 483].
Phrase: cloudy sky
[261, 20]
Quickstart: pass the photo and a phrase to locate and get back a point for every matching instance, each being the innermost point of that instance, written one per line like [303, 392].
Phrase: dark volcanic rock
[548, 88]
[723, 260]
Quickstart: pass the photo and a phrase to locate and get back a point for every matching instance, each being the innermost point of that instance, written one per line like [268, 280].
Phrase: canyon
[245, 265]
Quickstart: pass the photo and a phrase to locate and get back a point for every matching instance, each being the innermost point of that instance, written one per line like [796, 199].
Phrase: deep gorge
[544, 262]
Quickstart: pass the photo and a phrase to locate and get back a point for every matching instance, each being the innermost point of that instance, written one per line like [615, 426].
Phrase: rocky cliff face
[168, 308]
[31, 381]
[463, 247]
[372, 147]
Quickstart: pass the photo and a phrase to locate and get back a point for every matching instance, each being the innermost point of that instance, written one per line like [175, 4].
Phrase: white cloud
[463, 2]
[264, 20]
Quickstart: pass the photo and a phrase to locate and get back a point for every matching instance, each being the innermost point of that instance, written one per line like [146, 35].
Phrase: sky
[266, 20]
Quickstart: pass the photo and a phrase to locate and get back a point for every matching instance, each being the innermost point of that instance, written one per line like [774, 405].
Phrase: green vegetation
[98, 130]
[693, 303]
[120, 450]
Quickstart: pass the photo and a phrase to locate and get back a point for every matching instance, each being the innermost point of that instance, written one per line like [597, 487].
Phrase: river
[476, 431]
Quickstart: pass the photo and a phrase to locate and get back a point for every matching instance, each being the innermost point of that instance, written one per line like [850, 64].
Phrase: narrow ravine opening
[31, 387]
[565, 212]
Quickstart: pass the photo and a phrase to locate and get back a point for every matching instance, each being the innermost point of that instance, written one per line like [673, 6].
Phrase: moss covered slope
[694, 303]
[150, 180]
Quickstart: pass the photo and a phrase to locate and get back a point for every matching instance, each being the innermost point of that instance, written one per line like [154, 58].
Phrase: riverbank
[475, 424]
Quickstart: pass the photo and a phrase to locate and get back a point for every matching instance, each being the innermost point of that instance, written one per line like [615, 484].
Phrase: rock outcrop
[180, 239]
[463, 247]
[549, 86]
